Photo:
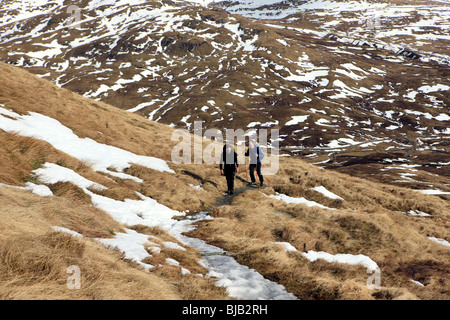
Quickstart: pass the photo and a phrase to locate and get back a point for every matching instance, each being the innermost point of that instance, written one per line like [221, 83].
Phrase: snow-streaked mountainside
[80, 177]
[240, 281]
[332, 75]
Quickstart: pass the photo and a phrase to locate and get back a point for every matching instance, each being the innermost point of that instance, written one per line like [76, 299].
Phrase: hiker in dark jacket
[229, 166]
[256, 155]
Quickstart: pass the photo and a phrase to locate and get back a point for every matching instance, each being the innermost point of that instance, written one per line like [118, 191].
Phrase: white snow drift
[99, 156]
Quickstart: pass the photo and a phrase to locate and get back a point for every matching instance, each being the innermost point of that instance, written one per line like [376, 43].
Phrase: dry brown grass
[23, 92]
[295, 178]
[368, 221]
[193, 285]
[37, 261]
[34, 259]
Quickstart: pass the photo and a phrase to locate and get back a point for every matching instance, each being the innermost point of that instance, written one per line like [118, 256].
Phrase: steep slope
[49, 192]
[368, 83]
[301, 232]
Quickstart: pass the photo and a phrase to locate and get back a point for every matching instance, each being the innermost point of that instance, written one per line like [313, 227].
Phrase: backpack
[261, 154]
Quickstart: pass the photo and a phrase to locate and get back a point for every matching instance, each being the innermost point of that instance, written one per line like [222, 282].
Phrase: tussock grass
[193, 285]
[29, 217]
[34, 259]
[36, 267]
[39, 258]
[368, 221]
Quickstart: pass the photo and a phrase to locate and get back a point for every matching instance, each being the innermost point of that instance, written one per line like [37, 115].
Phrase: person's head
[251, 143]
[228, 148]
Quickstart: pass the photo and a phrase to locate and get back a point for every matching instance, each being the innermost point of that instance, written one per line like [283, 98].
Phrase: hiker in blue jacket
[229, 166]
[256, 155]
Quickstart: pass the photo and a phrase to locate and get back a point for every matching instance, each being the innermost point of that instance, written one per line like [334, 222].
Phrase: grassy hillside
[367, 83]
[34, 257]
[386, 223]
[371, 220]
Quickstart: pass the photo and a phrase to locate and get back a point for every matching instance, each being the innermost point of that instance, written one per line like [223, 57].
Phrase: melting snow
[287, 246]
[440, 241]
[312, 256]
[290, 200]
[296, 120]
[434, 88]
[416, 213]
[433, 192]
[241, 282]
[51, 173]
[132, 244]
[326, 193]
[65, 230]
[40, 190]
[359, 259]
[99, 156]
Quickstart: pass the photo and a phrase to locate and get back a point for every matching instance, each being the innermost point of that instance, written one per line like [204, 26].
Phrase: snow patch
[296, 120]
[359, 259]
[51, 173]
[292, 200]
[440, 241]
[326, 193]
[100, 157]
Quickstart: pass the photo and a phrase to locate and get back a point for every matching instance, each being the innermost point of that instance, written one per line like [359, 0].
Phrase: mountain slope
[361, 82]
[35, 253]
[277, 231]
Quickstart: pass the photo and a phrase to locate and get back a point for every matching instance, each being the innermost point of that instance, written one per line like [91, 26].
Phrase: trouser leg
[258, 171]
[230, 181]
[251, 169]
